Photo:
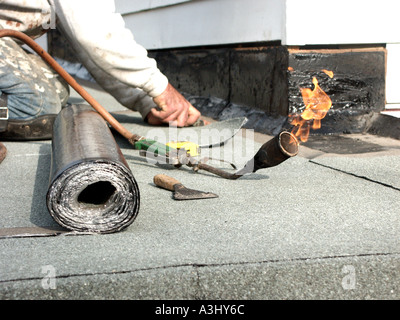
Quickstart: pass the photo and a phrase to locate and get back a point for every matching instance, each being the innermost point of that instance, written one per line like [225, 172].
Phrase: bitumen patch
[325, 228]
[340, 144]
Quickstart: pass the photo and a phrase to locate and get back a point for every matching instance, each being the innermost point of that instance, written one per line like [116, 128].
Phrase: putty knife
[180, 191]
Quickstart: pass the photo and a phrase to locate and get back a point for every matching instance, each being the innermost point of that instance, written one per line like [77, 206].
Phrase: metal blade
[200, 135]
[183, 193]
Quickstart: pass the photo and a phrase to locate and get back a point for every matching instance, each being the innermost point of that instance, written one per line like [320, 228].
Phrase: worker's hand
[174, 109]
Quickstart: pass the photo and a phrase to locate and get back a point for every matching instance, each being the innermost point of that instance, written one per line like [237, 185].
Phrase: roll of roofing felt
[3, 152]
[91, 186]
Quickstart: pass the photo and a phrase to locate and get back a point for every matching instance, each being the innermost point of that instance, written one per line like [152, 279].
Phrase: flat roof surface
[321, 225]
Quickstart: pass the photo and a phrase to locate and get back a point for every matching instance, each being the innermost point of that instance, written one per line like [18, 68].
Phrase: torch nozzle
[275, 151]
[280, 148]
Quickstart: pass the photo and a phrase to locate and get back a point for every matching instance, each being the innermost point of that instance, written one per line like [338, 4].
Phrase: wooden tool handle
[165, 181]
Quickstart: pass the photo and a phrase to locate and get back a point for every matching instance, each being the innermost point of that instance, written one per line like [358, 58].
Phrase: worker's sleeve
[108, 49]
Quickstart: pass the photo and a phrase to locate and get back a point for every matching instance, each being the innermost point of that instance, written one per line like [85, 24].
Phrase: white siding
[159, 24]
[342, 21]
[131, 6]
[392, 76]
[205, 22]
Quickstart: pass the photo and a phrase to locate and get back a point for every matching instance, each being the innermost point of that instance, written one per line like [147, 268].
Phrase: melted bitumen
[341, 145]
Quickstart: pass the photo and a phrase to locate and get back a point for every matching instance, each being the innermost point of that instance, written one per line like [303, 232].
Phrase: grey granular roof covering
[326, 228]
[380, 170]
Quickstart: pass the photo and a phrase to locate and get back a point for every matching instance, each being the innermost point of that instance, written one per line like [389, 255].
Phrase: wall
[341, 22]
[184, 23]
[203, 22]
[159, 24]
[347, 22]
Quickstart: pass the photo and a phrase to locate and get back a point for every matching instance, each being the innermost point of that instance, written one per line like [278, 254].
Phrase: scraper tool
[180, 191]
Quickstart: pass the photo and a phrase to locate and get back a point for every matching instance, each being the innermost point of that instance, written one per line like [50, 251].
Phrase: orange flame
[329, 73]
[317, 104]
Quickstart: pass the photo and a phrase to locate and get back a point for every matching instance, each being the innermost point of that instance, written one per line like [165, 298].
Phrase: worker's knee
[28, 97]
[30, 105]
[30, 91]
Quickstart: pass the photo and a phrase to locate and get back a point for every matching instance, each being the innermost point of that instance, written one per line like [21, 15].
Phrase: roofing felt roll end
[92, 188]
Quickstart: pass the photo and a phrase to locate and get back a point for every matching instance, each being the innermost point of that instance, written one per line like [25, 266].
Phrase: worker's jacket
[101, 41]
